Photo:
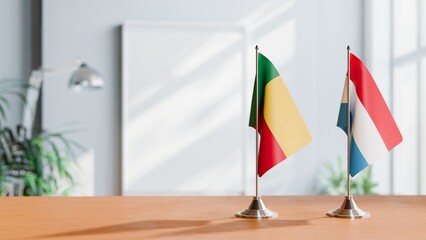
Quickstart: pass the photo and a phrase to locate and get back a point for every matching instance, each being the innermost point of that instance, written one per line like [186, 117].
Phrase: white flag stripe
[364, 132]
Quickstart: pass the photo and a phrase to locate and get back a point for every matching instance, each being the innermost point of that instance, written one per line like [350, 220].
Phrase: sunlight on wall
[394, 48]
[283, 38]
[214, 45]
[405, 112]
[266, 13]
[405, 21]
[169, 157]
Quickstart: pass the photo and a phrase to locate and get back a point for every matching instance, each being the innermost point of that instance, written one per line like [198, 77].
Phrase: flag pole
[257, 122]
[257, 208]
[348, 209]
[348, 127]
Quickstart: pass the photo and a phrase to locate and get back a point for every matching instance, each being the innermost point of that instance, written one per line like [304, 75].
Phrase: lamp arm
[84, 76]
[56, 70]
[32, 97]
[33, 94]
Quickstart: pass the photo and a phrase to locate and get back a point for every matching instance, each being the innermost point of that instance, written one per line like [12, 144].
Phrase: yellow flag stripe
[283, 117]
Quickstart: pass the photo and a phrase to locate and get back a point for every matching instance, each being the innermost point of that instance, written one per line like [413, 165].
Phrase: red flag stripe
[270, 152]
[373, 102]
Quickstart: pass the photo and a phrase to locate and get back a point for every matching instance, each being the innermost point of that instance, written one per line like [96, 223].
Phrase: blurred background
[172, 117]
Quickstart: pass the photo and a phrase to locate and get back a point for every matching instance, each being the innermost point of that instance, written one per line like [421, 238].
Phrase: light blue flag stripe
[358, 162]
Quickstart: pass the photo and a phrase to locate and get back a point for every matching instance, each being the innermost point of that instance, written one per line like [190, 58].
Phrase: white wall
[393, 43]
[15, 47]
[305, 39]
[340, 23]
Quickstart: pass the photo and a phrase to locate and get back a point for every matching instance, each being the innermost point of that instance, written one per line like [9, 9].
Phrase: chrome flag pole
[348, 209]
[257, 121]
[257, 208]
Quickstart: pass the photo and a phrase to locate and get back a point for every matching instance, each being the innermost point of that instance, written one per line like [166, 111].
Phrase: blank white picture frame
[184, 118]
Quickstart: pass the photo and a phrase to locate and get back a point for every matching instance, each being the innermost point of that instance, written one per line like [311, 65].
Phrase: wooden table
[301, 217]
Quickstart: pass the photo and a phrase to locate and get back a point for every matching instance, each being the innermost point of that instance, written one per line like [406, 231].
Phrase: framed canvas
[184, 117]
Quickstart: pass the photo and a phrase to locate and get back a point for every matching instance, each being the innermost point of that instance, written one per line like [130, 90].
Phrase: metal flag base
[257, 209]
[349, 209]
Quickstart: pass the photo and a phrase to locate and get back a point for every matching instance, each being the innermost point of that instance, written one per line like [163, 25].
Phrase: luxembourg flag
[374, 131]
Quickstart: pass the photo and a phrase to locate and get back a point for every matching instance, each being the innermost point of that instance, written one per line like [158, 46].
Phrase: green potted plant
[32, 166]
[333, 181]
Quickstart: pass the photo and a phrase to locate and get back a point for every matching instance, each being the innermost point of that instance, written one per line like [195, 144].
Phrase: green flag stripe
[267, 72]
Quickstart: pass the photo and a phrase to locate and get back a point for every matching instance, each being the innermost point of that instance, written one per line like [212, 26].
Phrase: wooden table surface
[301, 217]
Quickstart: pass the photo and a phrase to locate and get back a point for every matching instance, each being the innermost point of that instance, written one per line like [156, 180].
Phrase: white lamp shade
[86, 77]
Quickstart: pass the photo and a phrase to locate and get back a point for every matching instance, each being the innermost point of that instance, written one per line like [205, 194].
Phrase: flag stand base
[257, 209]
[348, 209]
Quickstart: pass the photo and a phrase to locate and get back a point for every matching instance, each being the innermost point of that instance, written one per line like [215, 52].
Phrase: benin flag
[281, 127]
